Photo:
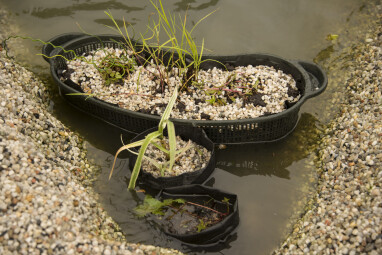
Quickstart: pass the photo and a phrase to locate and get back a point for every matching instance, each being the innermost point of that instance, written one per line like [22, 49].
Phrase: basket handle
[317, 77]
[58, 41]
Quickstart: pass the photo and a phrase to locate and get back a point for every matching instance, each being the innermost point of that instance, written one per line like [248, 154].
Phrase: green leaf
[256, 83]
[150, 205]
[212, 100]
[172, 143]
[331, 37]
[201, 225]
[210, 92]
[178, 154]
[138, 162]
[225, 200]
[154, 206]
[170, 201]
[152, 161]
[125, 147]
[183, 150]
[220, 101]
[198, 151]
[167, 111]
[160, 147]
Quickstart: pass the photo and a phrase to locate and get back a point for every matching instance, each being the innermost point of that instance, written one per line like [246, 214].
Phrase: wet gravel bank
[345, 216]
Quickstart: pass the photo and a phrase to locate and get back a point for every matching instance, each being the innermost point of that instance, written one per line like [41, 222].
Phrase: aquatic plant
[156, 139]
[198, 216]
[179, 49]
[155, 206]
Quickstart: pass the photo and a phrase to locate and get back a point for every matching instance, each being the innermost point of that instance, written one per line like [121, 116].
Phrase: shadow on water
[272, 180]
[271, 159]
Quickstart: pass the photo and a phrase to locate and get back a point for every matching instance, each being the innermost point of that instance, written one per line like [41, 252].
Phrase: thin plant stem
[205, 207]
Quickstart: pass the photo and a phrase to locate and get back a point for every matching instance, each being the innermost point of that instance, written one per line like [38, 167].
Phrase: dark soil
[229, 67]
[66, 75]
[256, 100]
[293, 92]
[191, 219]
[205, 116]
[181, 106]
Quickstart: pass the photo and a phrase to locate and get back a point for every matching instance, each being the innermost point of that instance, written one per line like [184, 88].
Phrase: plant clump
[180, 216]
[192, 156]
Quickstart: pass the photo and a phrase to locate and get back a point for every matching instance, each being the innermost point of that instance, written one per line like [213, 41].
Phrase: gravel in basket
[215, 229]
[236, 93]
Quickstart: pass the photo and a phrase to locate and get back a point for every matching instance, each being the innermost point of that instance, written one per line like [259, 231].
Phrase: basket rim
[201, 123]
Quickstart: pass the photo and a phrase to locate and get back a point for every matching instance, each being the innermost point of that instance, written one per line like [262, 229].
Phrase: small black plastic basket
[194, 134]
[215, 235]
[310, 79]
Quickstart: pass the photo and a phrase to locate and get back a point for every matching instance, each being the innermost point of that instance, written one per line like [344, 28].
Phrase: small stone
[29, 197]
[75, 203]
[9, 123]
[62, 133]
[375, 192]
[14, 201]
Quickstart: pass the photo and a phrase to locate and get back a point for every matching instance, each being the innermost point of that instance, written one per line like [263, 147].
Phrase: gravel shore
[47, 207]
[345, 216]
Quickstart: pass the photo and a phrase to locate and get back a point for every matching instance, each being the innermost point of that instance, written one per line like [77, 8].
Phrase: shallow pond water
[272, 180]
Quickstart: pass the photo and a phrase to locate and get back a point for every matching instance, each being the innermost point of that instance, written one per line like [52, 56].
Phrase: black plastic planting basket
[215, 235]
[310, 79]
[194, 134]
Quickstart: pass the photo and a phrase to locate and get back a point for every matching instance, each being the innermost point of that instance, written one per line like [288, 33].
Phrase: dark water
[271, 180]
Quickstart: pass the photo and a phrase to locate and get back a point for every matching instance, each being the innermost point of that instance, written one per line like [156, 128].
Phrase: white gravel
[207, 99]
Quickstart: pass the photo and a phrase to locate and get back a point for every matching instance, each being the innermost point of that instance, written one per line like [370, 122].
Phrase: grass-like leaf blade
[138, 163]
